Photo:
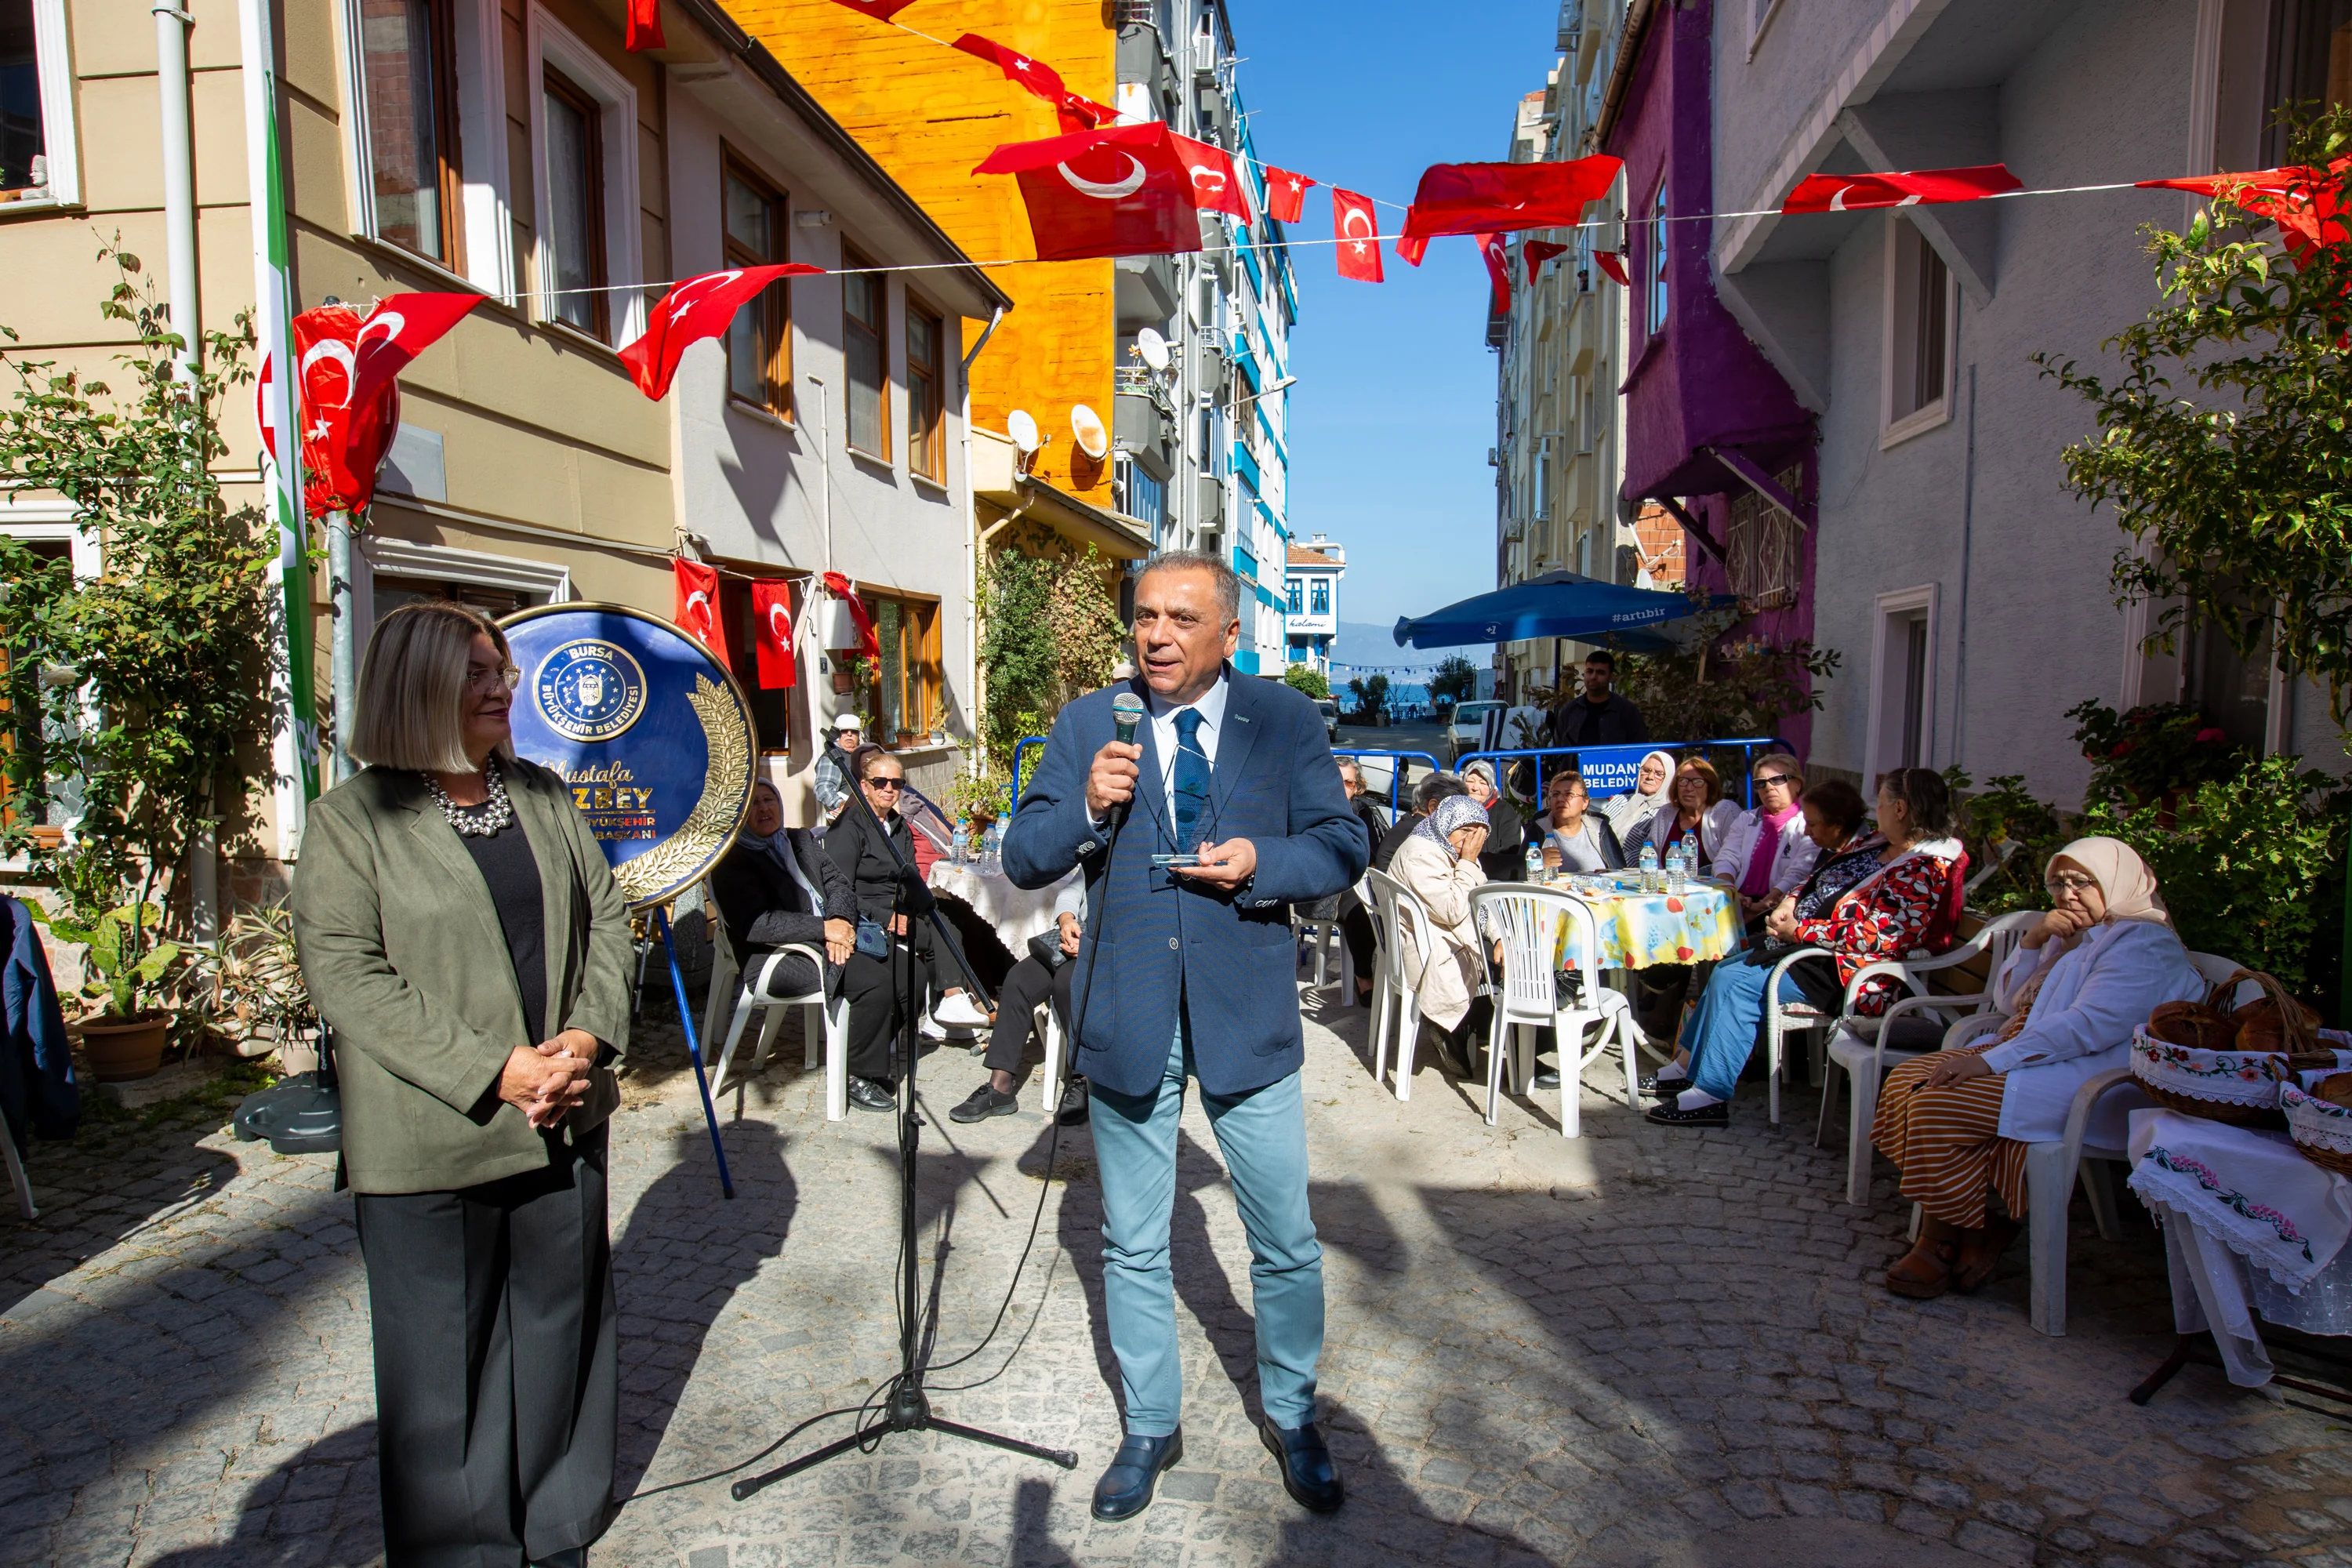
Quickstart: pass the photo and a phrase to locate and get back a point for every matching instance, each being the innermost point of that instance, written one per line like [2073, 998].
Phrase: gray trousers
[496, 1364]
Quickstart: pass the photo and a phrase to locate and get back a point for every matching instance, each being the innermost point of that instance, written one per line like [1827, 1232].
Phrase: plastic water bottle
[1691, 855]
[1649, 868]
[961, 844]
[1677, 868]
[991, 855]
[1535, 863]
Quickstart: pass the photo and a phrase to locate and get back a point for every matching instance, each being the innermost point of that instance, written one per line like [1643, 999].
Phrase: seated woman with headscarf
[1631, 812]
[1958, 1122]
[1576, 838]
[1899, 905]
[1504, 857]
[777, 886]
[1439, 865]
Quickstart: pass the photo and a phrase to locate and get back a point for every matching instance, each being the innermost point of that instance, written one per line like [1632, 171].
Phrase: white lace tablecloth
[1016, 914]
[2252, 1231]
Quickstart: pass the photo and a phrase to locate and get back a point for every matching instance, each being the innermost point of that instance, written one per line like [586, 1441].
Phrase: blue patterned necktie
[1191, 779]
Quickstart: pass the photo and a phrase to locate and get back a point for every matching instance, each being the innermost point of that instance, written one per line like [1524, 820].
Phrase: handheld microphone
[1126, 713]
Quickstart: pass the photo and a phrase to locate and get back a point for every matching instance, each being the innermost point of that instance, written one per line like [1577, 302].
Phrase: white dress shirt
[1211, 707]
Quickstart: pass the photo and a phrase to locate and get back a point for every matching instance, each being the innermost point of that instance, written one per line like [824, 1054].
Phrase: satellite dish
[1153, 347]
[1086, 426]
[1022, 429]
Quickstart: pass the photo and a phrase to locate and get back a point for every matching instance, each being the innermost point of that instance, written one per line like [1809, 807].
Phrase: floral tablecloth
[1638, 930]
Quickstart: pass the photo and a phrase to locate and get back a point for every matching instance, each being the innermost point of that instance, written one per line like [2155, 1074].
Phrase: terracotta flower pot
[123, 1050]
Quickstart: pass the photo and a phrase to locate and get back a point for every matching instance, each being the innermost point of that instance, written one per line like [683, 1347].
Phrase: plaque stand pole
[694, 1047]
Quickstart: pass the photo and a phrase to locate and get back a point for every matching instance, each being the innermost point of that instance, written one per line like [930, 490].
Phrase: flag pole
[294, 731]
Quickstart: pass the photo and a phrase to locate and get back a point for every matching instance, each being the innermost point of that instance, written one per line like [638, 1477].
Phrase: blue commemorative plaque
[651, 733]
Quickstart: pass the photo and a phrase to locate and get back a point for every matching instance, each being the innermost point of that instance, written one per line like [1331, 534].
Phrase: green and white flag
[295, 744]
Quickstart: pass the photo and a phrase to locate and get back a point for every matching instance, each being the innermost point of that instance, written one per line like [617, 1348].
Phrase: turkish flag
[1359, 233]
[343, 440]
[838, 586]
[645, 29]
[697, 615]
[1121, 190]
[2304, 203]
[1855, 193]
[880, 10]
[1539, 251]
[696, 308]
[1493, 247]
[396, 332]
[1076, 112]
[1412, 250]
[1286, 194]
[1613, 262]
[1483, 199]
[771, 606]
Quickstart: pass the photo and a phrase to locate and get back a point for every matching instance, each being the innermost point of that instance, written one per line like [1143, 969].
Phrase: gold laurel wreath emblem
[726, 783]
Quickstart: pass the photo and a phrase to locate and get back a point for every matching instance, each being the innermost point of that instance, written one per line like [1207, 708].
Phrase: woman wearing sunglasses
[1767, 854]
[1958, 1121]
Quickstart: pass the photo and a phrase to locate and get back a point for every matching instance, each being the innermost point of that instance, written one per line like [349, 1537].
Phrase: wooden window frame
[852, 261]
[1908, 249]
[448, 147]
[774, 302]
[922, 677]
[931, 409]
[554, 82]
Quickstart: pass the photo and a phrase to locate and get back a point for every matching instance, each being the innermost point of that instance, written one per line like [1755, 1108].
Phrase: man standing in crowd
[1197, 978]
[833, 767]
[1600, 717]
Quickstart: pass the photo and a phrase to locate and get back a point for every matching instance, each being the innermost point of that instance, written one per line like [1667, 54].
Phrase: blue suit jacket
[37, 1093]
[1228, 956]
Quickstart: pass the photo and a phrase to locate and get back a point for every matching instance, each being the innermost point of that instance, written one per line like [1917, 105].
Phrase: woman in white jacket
[1438, 864]
[1958, 1122]
[1766, 856]
[1695, 804]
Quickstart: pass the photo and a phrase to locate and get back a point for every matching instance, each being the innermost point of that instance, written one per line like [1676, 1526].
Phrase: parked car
[1331, 711]
[1467, 731]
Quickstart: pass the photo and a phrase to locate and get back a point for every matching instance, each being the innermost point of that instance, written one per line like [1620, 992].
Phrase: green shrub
[1306, 679]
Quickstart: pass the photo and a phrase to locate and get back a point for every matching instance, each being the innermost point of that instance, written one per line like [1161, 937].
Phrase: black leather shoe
[570, 1557]
[1652, 1088]
[868, 1094]
[1307, 1473]
[1672, 1115]
[1073, 1113]
[984, 1102]
[1125, 1490]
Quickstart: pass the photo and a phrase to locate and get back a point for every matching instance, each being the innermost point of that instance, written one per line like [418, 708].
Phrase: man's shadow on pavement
[676, 1271]
[317, 1510]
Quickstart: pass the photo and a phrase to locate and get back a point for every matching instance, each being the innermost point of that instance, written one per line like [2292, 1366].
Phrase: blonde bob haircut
[412, 696]
[1789, 765]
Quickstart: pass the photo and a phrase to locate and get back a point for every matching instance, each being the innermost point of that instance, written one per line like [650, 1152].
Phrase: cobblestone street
[1644, 1347]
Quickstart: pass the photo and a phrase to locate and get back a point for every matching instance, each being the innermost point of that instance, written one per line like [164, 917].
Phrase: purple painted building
[1712, 431]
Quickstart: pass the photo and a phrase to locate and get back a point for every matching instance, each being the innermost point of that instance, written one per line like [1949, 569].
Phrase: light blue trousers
[1263, 1136]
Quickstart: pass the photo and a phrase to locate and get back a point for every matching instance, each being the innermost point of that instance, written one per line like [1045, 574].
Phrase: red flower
[2207, 736]
[2123, 749]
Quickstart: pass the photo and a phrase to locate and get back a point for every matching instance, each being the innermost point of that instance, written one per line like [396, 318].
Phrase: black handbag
[1046, 947]
[872, 939]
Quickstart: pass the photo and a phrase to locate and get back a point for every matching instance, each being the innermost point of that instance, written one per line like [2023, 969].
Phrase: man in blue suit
[1192, 972]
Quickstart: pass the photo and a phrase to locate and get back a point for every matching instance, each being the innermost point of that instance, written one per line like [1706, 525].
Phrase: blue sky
[1394, 407]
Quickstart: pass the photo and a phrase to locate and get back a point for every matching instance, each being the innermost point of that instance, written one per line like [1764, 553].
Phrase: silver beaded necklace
[476, 821]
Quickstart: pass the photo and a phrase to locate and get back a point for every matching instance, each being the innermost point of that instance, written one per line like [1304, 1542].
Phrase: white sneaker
[929, 1028]
[960, 1012]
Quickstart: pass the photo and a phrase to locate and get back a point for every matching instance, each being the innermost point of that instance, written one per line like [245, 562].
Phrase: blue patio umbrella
[1557, 604]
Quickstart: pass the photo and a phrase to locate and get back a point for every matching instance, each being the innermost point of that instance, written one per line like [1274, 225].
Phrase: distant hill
[1362, 642]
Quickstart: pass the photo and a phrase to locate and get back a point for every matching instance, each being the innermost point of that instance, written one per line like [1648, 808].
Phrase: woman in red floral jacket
[1900, 906]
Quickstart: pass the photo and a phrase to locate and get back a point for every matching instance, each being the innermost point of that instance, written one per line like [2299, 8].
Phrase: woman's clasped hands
[547, 1081]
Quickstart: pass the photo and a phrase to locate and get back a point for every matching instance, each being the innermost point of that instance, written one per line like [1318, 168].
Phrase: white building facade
[1311, 602]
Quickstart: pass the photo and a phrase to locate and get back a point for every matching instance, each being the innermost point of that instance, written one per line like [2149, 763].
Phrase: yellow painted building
[928, 115]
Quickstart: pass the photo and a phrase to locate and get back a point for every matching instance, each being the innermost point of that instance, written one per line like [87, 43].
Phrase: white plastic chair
[1049, 1030]
[2051, 1168]
[1862, 1045]
[1526, 922]
[1400, 919]
[17, 1177]
[754, 996]
[1326, 933]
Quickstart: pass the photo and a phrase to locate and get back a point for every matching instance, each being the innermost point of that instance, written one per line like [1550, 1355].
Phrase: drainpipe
[972, 537]
[1620, 73]
[171, 26]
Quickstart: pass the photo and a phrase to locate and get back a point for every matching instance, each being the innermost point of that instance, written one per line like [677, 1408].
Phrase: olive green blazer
[402, 949]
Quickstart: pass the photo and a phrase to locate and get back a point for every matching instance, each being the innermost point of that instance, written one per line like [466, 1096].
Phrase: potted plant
[261, 991]
[125, 961]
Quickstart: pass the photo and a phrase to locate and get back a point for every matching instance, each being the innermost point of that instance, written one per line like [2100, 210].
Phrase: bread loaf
[2262, 1025]
[2336, 1089]
[2194, 1025]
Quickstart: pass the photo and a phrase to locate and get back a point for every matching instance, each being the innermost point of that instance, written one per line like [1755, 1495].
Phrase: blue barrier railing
[1501, 761]
[1021, 751]
[1399, 766]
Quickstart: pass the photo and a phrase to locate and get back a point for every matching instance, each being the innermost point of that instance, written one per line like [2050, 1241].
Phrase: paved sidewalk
[1642, 1347]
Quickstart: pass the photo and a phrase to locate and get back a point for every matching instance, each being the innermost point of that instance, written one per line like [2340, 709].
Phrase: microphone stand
[906, 1407]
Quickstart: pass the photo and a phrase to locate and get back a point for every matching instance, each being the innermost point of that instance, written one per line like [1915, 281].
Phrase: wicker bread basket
[2321, 1131]
[2240, 1088]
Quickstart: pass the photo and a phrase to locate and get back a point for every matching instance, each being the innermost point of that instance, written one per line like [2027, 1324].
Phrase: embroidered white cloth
[1017, 913]
[2248, 1189]
[2215, 1289]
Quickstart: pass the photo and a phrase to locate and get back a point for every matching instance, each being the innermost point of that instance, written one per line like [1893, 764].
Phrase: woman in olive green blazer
[462, 935]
